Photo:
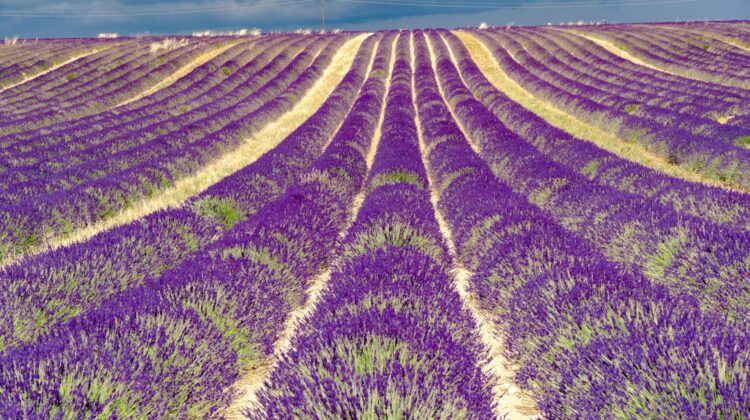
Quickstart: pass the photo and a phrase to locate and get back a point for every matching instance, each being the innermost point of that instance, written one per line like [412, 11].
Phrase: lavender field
[511, 222]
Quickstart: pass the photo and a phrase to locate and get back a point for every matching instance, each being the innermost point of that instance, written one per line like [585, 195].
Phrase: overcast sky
[44, 18]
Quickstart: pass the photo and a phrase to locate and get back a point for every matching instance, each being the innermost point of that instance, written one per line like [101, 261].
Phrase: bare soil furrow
[251, 149]
[248, 387]
[53, 68]
[570, 124]
[177, 75]
[511, 401]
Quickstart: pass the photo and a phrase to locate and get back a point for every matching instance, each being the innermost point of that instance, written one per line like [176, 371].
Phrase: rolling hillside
[524, 222]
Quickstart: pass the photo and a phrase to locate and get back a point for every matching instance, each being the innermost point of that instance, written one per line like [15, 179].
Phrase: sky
[65, 18]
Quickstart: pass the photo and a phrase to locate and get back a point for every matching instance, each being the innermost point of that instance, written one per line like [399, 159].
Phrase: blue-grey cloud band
[30, 18]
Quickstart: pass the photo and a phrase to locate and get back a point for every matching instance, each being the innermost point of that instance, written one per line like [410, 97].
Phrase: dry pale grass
[614, 49]
[511, 401]
[705, 33]
[732, 42]
[359, 199]
[178, 74]
[572, 125]
[53, 68]
[168, 44]
[724, 119]
[247, 388]
[686, 72]
[250, 150]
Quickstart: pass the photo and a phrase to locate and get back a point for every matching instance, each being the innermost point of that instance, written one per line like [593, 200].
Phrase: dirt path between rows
[178, 74]
[53, 68]
[511, 401]
[248, 152]
[558, 118]
[692, 74]
[248, 387]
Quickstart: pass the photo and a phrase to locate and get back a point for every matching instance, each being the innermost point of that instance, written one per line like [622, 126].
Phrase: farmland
[515, 221]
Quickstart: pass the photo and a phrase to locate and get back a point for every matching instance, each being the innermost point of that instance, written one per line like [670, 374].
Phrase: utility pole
[323, 15]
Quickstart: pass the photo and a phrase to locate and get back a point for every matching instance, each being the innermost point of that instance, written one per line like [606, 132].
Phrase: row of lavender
[26, 60]
[133, 69]
[389, 337]
[591, 340]
[176, 341]
[683, 51]
[722, 161]
[714, 204]
[686, 112]
[65, 282]
[686, 252]
[96, 189]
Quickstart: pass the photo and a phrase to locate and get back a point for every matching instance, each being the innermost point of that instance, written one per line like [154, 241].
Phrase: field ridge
[500, 222]
[512, 402]
[51, 69]
[576, 127]
[179, 73]
[251, 149]
[249, 386]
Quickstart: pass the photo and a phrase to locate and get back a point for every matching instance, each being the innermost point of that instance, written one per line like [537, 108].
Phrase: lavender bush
[419, 246]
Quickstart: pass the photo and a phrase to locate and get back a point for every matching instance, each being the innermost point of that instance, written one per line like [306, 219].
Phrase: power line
[516, 3]
[412, 3]
[161, 12]
[617, 3]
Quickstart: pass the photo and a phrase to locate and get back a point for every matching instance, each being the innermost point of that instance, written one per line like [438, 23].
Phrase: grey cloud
[339, 14]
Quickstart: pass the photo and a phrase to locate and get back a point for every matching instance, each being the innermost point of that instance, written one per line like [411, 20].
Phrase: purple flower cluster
[688, 113]
[175, 345]
[25, 60]
[605, 168]
[719, 160]
[591, 340]
[389, 337]
[59, 284]
[686, 253]
[115, 182]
